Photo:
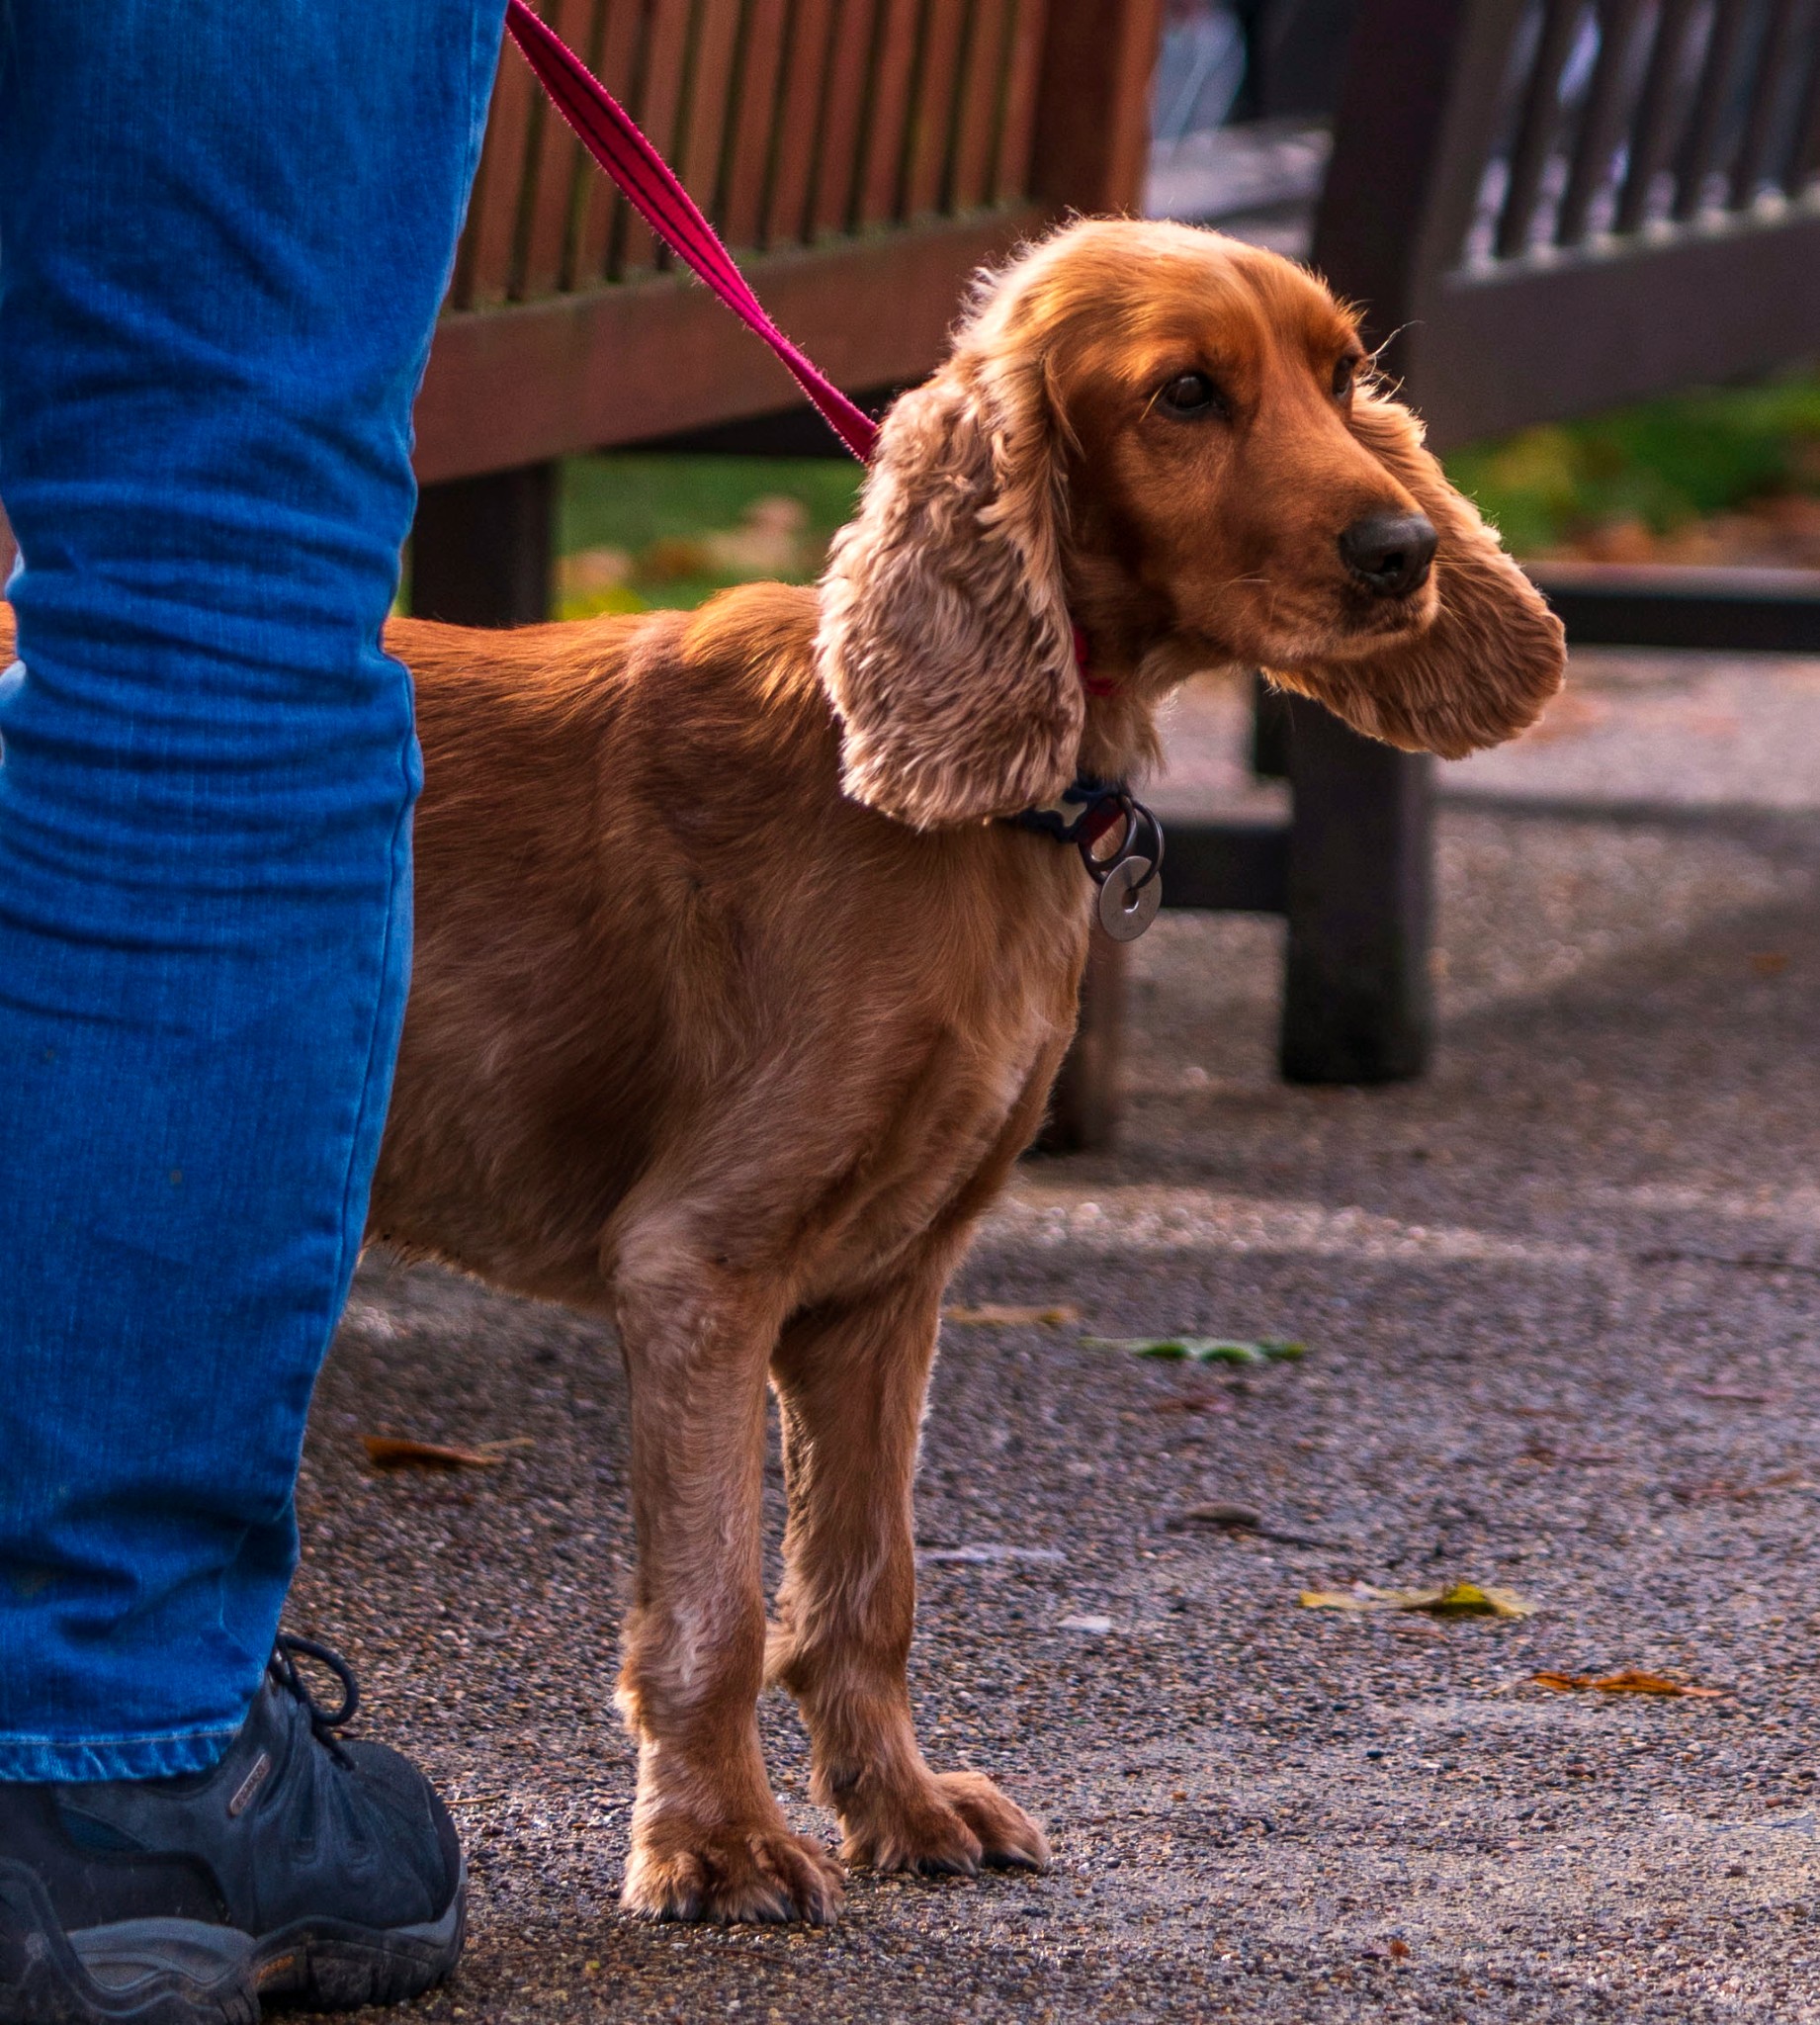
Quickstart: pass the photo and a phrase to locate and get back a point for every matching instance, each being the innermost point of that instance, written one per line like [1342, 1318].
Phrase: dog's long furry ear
[945, 644]
[1495, 653]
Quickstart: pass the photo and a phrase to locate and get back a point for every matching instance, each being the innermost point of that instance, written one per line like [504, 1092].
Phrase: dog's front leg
[850, 1381]
[708, 1840]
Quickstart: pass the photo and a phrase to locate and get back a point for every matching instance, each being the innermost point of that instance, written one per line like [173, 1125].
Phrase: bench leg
[1084, 1111]
[482, 548]
[1270, 731]
[1358, 1001]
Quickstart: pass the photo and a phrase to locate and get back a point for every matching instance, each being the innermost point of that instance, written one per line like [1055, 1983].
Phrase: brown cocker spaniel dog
[735, 1001]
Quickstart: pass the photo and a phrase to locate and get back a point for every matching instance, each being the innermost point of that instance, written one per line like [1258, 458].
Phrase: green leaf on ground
[1206, 1349]
[1455, 1600]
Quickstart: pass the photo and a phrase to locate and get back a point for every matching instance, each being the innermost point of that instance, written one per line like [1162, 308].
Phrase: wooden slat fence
[861, 157]
[790, 121]
[1611, 198]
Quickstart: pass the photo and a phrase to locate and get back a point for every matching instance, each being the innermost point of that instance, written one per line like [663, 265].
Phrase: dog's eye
[1345, 371]
[1191, 394]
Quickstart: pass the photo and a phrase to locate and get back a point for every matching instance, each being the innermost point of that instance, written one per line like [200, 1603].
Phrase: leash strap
[608, 133]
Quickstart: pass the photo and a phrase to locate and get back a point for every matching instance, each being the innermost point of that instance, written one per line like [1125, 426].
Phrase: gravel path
[1562, 1304]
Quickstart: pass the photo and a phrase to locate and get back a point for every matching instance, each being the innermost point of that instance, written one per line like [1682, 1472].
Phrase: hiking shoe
[302, 1867]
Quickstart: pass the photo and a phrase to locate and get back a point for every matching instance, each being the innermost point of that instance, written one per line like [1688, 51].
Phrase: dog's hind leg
[850, 1381]
[708, 1839]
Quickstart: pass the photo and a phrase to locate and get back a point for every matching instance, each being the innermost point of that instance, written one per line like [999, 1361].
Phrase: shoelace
[283, 1668]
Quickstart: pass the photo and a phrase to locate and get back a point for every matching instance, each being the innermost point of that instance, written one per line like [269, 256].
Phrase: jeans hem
[37, 1760]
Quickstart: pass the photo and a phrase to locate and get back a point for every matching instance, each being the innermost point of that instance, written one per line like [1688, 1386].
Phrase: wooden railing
[1671, 116]
[863, 156]
[789, 122]
[1565, 204]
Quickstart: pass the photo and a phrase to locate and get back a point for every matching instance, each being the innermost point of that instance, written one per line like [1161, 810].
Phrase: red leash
[612, 136]
[609, 133]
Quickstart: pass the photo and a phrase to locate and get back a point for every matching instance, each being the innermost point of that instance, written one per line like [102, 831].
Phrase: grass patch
[640, 532]
[1661, 465]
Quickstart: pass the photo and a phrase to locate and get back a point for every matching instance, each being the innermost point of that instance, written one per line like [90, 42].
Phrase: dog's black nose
[1389, 552]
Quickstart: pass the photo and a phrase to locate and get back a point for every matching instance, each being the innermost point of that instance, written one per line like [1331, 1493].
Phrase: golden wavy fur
[732, 1010]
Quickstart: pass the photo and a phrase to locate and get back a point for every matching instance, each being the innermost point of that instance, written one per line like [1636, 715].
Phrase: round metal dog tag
[1129, 897]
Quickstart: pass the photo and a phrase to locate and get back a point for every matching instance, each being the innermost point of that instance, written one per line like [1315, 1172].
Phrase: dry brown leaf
[1630, 1681]
[999, 1315]
[399, 1451]
[1235, 1518]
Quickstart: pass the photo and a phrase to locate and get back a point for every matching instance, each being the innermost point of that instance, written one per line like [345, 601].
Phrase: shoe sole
[183, 1972]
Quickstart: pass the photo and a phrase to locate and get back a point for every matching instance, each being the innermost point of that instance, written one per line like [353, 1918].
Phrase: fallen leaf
[1569, 716]
[1193, 1402]
[998, 1315]
[1630, 1681]
[984, 1552]
[592, 571]
[1456, 1600]
[397, 1452]
[672, 556]
[1206, 1349]
[1236, 1518]
[1399, 1951]
[1756, 1262]
[1242, 1519]
[1715, 1488]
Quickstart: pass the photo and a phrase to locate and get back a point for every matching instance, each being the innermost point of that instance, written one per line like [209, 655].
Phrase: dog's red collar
[1094, 686]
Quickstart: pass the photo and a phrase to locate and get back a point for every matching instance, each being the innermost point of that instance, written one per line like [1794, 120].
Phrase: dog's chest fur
[664, 967]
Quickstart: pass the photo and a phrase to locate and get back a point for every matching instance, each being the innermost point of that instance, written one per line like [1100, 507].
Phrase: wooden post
[1270, 730]
[1084, 1107]
[1093, 115]
[1357, 998]
[482, 548]
[1091, 151]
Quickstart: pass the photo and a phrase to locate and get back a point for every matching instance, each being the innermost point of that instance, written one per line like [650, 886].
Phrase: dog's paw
[1008, 1838]
[733, 1871]
[952, 1826]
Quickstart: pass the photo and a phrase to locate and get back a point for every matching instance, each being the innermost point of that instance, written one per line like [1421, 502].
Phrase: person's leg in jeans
[224, 230]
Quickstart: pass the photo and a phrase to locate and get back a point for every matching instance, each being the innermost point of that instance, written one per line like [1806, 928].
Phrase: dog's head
[1169, 441]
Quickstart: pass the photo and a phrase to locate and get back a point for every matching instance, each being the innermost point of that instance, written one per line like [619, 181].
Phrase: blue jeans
[224, 230]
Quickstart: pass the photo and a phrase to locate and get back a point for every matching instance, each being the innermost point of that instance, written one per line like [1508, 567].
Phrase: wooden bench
[863, 158]
[1546, 209]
